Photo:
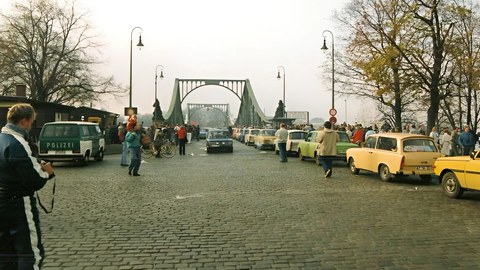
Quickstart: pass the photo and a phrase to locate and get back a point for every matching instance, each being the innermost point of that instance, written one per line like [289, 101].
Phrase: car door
[363, 156]
[472, 173]
[95, 136]
[312, 144]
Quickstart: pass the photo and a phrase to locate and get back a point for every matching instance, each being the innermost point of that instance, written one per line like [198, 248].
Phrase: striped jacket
[20, 173]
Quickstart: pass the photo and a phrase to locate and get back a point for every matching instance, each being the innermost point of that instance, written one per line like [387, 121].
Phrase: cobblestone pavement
[247, 210]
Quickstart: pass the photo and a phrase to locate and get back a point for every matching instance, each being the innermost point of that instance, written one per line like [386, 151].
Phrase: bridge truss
[249, 114]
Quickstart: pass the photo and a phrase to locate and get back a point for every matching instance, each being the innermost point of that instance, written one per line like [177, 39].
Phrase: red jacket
[358, 136]
[182, 133]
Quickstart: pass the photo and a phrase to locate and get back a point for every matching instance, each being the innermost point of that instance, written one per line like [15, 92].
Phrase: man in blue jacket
[467, 141]
[20, 176]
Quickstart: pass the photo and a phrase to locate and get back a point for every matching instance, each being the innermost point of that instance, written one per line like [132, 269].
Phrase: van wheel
[86, 159]
[99, 156]
[384, 172]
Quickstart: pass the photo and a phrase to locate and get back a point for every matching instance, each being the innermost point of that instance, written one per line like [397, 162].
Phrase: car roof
[296, 130]
[400, 136]
[71, 123]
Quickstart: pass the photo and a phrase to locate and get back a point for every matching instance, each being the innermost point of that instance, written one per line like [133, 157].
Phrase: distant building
[51, 112]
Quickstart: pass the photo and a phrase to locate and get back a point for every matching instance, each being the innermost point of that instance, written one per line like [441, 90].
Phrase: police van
[71, 141]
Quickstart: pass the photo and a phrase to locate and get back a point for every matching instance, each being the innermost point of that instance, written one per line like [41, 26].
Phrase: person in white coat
[446, 142]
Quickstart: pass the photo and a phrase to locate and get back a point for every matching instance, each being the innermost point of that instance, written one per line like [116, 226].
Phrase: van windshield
[60, 131]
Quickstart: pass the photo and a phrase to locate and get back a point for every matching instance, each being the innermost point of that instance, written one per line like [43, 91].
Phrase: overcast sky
[221, 39]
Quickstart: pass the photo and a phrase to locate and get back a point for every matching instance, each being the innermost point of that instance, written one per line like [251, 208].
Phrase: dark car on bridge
[219, 140]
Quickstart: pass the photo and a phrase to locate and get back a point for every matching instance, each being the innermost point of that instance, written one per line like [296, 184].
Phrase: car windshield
[298, 135]
[254, 131]
[344, 137]
[221, 134]
[269, 132]
[60, 131]
[419, 145]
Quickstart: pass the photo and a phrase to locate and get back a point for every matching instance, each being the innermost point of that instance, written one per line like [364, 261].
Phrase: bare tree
[49, 48]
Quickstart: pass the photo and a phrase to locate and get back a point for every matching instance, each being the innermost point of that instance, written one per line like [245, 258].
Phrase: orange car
[392, 154]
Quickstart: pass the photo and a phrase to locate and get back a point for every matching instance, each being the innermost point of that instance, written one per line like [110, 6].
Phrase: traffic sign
[129, 111]
[333, 120]
[332, 112]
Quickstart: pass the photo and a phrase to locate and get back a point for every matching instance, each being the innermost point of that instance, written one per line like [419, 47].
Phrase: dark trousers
[468, 149]
[20, 238]
[135, 160]
[282, 149]
[182, 143]
[326, 162]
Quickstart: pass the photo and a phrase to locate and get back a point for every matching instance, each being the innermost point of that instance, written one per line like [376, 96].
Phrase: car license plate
[424, 168]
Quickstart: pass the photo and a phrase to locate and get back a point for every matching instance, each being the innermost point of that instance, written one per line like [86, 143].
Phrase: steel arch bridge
[193, 108]
[249, 114]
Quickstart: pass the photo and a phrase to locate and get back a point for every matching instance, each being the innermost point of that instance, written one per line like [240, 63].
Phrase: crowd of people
[133, 136]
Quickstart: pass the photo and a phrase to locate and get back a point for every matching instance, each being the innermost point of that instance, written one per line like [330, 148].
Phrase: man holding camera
[20, 176]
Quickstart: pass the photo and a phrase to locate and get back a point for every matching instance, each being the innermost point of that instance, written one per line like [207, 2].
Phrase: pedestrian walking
[282, 137]
[134, 144]
[182, 139]
[467, 141]
[327, 147]
[122, 132]
[20, 176]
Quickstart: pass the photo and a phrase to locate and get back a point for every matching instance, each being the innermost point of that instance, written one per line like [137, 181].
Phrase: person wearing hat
[122, 132]
[327, 147]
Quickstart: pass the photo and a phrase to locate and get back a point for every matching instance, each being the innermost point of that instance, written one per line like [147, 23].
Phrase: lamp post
[156, 99]
[156, 76]
[324, 47]
[140, 45]
[279, 77]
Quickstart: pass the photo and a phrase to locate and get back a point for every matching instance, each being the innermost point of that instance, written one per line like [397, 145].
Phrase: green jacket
[133, 139]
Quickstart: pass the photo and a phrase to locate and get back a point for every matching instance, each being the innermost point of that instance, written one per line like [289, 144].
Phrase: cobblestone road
[246, 210]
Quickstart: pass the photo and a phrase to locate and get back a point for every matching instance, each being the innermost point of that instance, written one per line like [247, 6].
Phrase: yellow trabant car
[392, 154]
[265, 139]
[458, 174]
[250, 135]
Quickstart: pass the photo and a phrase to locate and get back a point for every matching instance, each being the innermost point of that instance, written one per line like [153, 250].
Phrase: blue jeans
[282, 149]
[136, 159]
[326, 162]
[124, 153]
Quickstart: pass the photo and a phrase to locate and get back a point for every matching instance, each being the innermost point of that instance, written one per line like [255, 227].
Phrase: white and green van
[71, 141]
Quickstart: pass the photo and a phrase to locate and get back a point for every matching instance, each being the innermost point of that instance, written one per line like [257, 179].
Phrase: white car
[294, 138]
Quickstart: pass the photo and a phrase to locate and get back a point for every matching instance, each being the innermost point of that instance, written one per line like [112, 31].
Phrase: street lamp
[139, 45]
[156, 100]
[324, 47]
[156, 76]
[279, 77]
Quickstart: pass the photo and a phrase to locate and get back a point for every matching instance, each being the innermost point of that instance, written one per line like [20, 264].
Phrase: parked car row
[388, 154]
